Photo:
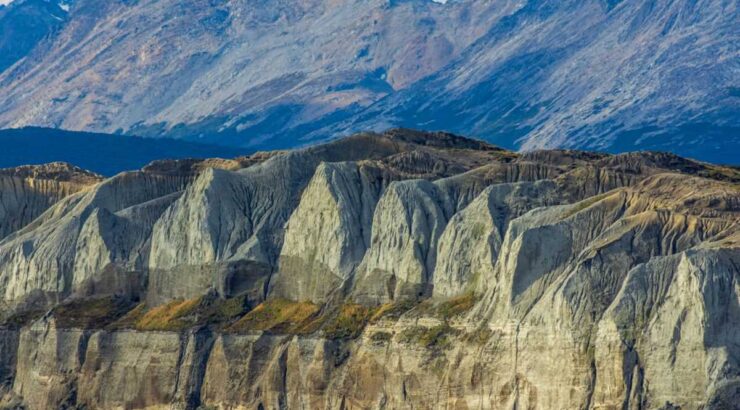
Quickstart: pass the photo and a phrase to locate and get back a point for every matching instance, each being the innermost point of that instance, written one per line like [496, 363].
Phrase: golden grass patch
[392, 310]
[175, 315]
[280, 315]
[128, 321]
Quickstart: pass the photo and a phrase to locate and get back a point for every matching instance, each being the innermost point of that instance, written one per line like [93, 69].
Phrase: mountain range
[369, 204]
[607, 75]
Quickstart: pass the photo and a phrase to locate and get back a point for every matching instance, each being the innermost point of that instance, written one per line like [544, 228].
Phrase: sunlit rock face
[395, 270]
[596, 74]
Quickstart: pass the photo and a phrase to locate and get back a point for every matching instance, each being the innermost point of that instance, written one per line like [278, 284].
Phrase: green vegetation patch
[580, 206]
[721, 173]
[381, 338]
[23, 318]
[445, 310]
[480, 336]
[224, 311]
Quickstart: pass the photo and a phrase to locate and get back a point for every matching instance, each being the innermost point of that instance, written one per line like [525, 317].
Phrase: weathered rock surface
[407, 224]
[686, 306]
[399, 270]
[470, 244]
[327, 235]
[27, 191]
[81, 235]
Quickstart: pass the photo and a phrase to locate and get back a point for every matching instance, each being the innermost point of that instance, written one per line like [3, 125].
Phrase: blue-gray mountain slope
[596, 74]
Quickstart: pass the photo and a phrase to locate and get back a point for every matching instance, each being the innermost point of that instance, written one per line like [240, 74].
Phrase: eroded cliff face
[27, 191]
[397, 270]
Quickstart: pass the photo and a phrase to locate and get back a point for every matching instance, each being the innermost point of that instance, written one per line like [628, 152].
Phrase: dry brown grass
[280, 316]
[182, 314]
[457, 305]
[175, 315]
[392, 310]
[349, 322]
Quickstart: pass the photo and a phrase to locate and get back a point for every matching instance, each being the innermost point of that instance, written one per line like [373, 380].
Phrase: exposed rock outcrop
[396, 270]
[472, 240]
[407, 224]
[81, 235]
[27, 191]
[328, 234]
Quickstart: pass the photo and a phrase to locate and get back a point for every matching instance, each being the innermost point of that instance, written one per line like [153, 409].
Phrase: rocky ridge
[394, 270]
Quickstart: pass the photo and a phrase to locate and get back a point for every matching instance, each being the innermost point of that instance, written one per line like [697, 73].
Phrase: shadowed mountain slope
[102, 153]
[609, 75]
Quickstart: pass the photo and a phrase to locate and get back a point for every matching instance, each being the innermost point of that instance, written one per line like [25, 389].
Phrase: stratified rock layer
[397, 270]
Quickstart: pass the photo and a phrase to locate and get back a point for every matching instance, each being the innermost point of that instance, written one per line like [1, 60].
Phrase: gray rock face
[26, 192]
[327, 236]
[407, 224]
[473, 238]
[207, 223]
[699, 315]
[240, 214]
[79, 236]
[399, 270]
[229, 216]
[154, 368]
[8, 357]
[48, 360]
